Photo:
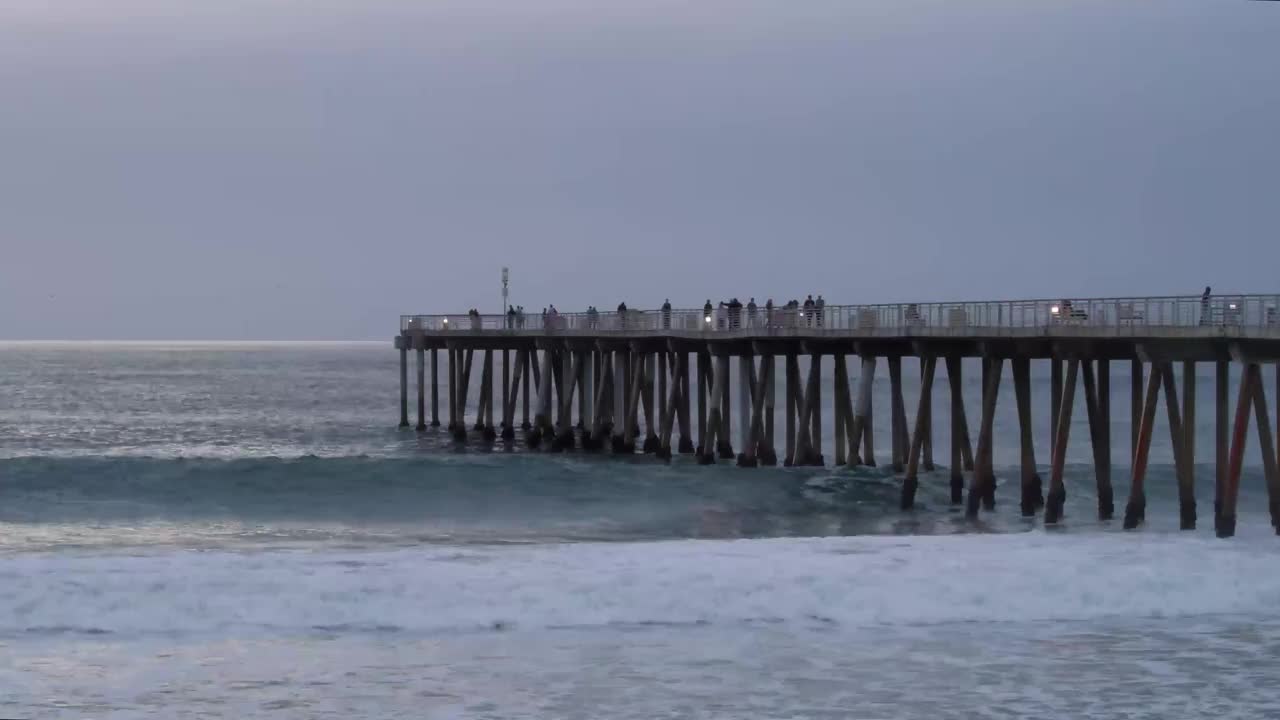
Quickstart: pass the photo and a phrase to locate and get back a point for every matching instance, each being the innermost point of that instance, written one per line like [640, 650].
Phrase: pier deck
[620, 372]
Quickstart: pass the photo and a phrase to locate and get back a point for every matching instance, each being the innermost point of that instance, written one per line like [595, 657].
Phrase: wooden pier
[620, 382]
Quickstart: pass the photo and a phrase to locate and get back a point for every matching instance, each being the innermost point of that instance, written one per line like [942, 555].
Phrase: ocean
[240, 530]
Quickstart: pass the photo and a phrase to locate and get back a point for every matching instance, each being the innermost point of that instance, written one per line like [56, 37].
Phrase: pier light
[1231, 306]
[707, 318]
[1054, 309]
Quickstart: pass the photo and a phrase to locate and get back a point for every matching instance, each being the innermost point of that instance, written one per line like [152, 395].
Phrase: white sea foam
[863, 581]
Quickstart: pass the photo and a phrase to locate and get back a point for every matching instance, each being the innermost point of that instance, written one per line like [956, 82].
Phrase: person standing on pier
[819, 308]
[666, 314]
[751, 312]
[768, 313]
[511, 317]
[706, 314]
[808, 311]
[622, 315]
[1205, 318]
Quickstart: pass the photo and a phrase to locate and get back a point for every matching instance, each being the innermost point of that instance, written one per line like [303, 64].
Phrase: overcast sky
[310, 169]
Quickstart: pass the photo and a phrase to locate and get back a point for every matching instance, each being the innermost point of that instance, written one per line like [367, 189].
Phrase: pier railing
[1111, 316]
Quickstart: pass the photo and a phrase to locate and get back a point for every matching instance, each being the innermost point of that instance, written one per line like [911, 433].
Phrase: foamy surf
[849, 582]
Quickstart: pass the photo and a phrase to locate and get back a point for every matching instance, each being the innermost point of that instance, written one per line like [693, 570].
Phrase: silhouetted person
[511, 316]
[819, 307]
[622, 315]
[751, 312]
[666, 314]
[1205, 318]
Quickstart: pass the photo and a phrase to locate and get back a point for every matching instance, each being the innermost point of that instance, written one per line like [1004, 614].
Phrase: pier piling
[1062, 425]
[404, 386]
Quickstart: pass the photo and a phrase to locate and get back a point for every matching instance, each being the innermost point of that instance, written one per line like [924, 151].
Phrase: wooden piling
[897, 414]
[791, 406]
[662, 384]
[770, 455]
[563, 439]
[746, 363]
[955, 380]
[1095, 431]
[1062, 424]
[506, 390]
[927, 409]
[1189, 429]
[421, 354]
[1135, 510]
[484, 388]
[910, 482]
[1135, 405]
[983, 487]
[1029, 479]
[724, 433]
[464, 388]
[524, 393]
[453, 388]
[509, 400]
[1266, 445]
[1177, 440]
[648, 363]
[805, 453]
[1106, 493]
[670, 406]
[621, 391]
[703, 372]
[1222, 463]
[404, 384]
[435, 388]
[750, 455]
[633, 400]
[864, 412]
[682, 415]
[488, 430]
[542, 422]
[603, 392]
[1225, 523]
[840, 389]
[844, 403]
[715, 415]
[1055, 400]
[815, 434]
[582, 387]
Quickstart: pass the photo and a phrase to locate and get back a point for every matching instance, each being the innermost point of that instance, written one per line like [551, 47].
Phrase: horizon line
[100, 341]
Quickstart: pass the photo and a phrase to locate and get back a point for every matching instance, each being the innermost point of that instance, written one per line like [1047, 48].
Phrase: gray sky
[313, 168]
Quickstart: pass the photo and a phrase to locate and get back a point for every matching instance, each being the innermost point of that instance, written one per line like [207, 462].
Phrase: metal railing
[1105, 316]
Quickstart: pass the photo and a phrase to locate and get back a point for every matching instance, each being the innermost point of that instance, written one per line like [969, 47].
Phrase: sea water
[221, 530]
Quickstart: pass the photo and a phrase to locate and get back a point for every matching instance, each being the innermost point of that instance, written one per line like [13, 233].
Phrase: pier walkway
[626, 375]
